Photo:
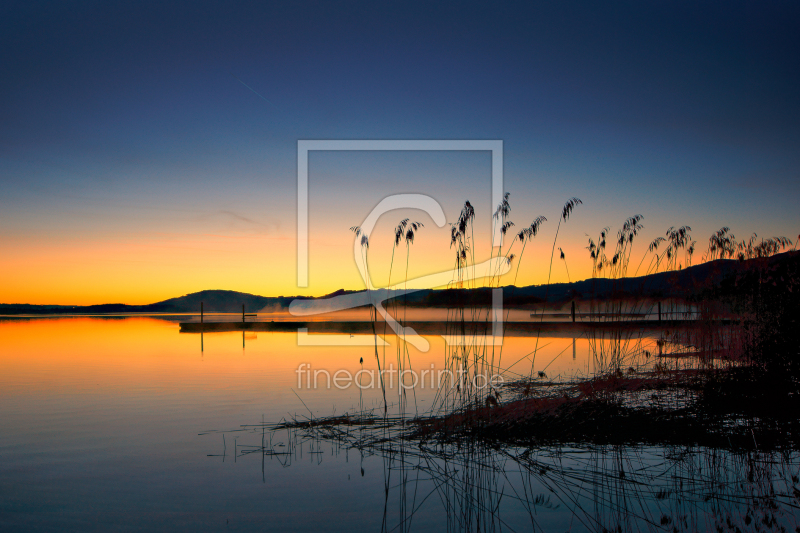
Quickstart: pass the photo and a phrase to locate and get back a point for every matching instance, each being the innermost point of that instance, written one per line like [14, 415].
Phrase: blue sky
[121, 121]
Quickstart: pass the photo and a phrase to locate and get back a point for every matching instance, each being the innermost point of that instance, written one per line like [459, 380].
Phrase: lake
[126, 423]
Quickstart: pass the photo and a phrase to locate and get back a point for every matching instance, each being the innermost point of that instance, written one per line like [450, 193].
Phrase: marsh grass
[619, 353]
[730, 479]
[673, 432]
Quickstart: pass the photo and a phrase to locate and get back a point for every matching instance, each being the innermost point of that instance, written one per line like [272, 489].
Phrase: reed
[619, 353]
[674, 432]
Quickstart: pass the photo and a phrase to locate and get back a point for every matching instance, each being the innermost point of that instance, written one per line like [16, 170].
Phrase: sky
[149, 150]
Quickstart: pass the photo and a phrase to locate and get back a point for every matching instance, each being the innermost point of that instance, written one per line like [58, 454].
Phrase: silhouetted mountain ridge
[677, 284]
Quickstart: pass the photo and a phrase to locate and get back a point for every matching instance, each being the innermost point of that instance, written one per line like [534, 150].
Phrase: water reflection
[100, 421]
[477, 486]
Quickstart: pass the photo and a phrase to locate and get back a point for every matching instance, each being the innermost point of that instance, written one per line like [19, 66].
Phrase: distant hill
[214, 301]
[678, 284]
[219, 301]
[682, 284]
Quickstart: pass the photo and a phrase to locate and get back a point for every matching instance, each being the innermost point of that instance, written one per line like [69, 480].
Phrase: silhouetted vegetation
[693, 429]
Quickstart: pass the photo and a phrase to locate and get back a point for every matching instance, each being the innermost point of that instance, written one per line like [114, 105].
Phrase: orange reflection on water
[148, 359]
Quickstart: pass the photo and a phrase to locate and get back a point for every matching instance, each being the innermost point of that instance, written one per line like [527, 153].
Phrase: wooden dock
[514, 329]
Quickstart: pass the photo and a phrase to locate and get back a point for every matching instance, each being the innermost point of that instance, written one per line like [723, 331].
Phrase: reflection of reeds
[480, 485]
[673, 432]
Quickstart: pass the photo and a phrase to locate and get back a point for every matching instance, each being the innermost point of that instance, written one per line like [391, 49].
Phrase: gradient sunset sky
[148, 151]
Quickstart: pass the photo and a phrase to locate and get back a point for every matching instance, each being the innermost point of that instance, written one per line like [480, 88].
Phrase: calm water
[127, 424]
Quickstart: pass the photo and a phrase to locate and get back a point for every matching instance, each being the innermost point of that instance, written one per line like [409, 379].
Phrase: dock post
[659, 311]
[201, 312]
[573, 310]
[242, 313]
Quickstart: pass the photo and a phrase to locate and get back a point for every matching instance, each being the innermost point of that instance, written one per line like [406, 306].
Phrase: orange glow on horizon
[151, 267]
[140, 272]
